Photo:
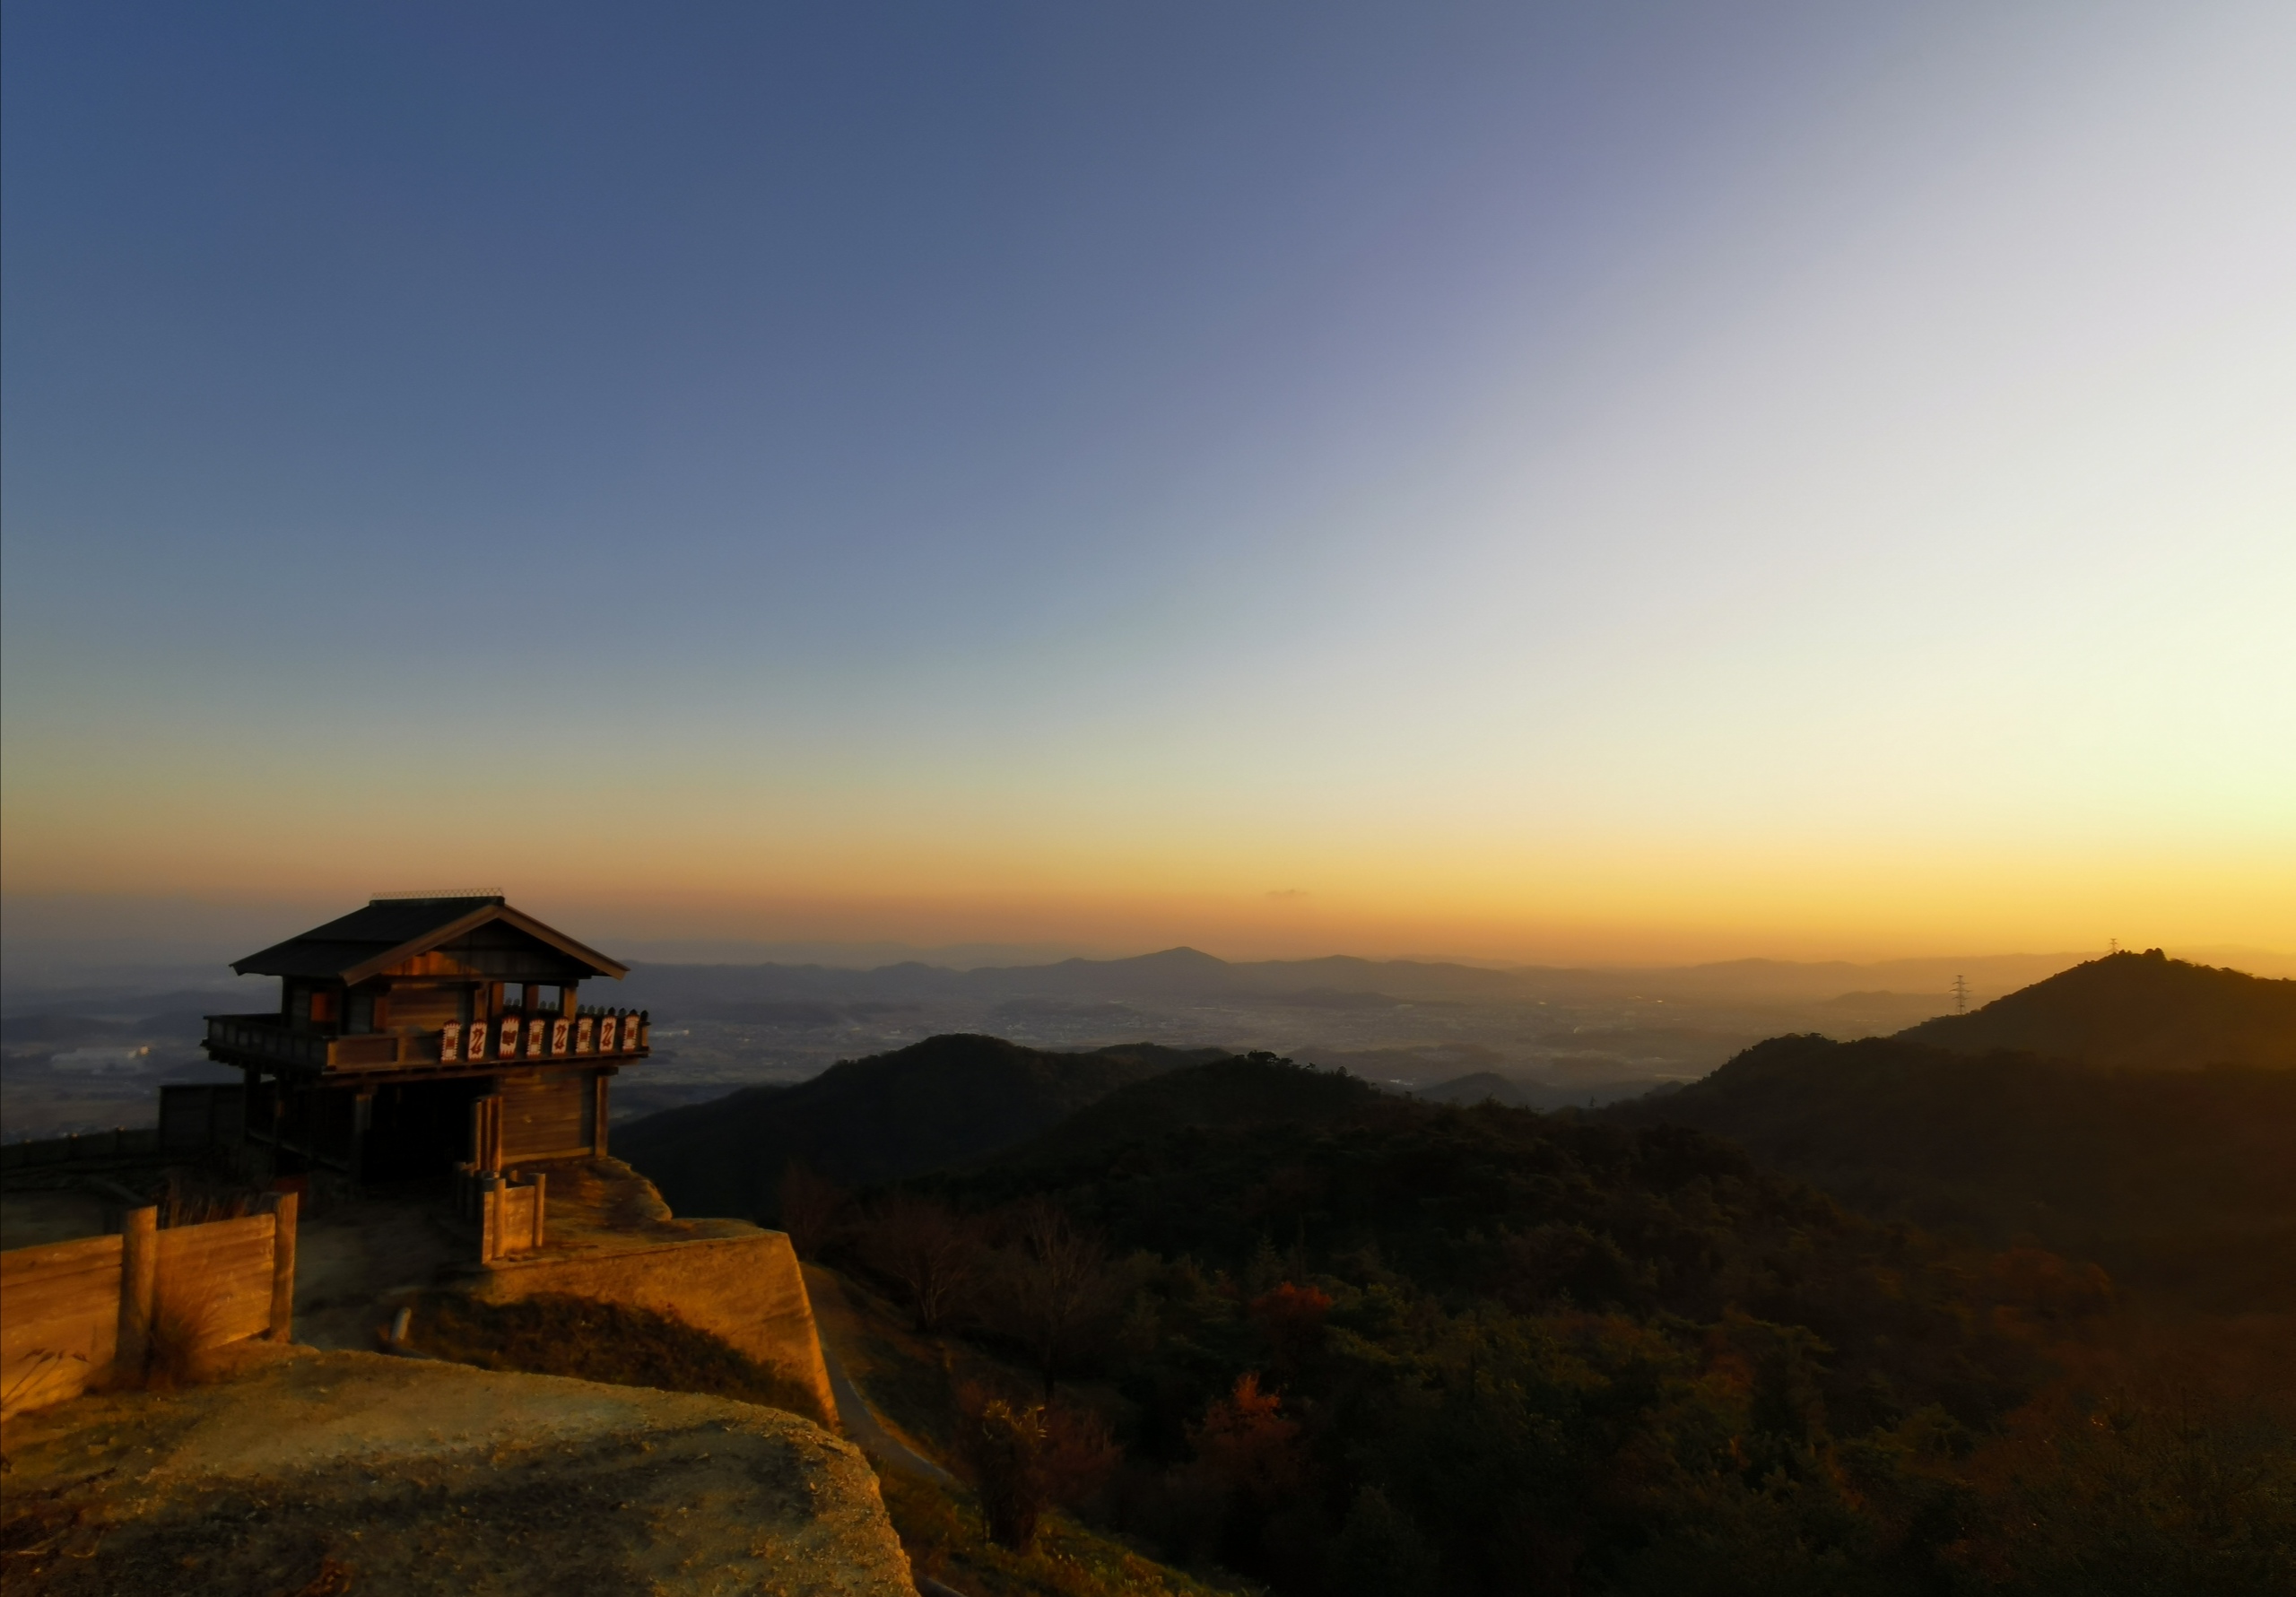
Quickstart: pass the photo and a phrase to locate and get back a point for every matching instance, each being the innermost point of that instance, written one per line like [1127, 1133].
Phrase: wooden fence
[75, 1314]
[510, 1218]
[135, 1142]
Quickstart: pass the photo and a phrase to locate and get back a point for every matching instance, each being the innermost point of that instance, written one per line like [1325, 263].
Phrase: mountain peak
[2142, 1011]
[1180, 958]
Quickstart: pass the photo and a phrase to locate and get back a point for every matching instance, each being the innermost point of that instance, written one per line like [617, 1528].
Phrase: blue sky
[1457, 474]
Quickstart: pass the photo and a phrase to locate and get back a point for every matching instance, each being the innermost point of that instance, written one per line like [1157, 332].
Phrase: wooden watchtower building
[427, 1031]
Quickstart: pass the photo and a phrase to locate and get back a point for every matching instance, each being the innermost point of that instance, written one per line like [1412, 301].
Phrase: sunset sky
[1588, 481]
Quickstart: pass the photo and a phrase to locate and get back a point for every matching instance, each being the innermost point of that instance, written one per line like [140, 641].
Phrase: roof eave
[378, 963]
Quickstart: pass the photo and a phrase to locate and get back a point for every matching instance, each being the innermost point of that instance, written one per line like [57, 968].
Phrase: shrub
[182, 1335]
[1003, 1445]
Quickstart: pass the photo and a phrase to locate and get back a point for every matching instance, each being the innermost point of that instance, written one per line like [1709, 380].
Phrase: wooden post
[139, 1284]
[283, 1207]
[539, 1178]
[598, 1125]
[490, 1216]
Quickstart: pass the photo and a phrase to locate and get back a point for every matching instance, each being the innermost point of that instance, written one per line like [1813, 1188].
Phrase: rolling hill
[2177, 1180]
[940, 1102]
[1223, 1095]
[2130, 1010]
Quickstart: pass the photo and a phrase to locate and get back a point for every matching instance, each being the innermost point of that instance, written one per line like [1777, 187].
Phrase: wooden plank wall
[59, 1319]
[195, 1116]
[218, 1276]
[60, 1312]
[426, 1009]
[542, 1116]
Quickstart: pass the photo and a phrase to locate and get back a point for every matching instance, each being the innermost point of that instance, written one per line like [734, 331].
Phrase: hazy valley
[85, 1054]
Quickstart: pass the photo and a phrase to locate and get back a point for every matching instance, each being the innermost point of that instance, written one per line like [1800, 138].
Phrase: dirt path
[868, 1432]
[840, 1328]
[354, 1259]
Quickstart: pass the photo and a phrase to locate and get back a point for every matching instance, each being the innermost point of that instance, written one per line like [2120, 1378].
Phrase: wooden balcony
[268, 1042]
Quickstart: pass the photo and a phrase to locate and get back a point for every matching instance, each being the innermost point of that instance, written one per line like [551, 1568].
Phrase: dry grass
[181, 1341]
[190, 1197]
[620, 1344]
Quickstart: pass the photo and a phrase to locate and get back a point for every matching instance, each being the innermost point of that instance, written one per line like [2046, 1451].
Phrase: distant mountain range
[1336, 982]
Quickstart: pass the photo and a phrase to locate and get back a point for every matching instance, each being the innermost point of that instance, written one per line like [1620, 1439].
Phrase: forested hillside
[2181, 1180]
[1373, 1345]
[939, 1102]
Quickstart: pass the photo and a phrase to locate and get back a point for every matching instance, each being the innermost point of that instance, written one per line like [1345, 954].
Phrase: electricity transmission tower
[1960, 996]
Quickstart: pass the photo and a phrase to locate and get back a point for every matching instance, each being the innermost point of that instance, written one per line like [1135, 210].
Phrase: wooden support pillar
[362, 1119]
[598, 1114]
[566, 1001]
[530, 999]
[283, 1208]
[139, 1288]
[486, 1133]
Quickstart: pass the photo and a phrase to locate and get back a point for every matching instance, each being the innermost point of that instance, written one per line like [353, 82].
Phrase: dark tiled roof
[401, 927]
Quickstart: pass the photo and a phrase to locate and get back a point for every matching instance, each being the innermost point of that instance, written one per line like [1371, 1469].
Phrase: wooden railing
[264, 1034]
[592, 1033]
[86, 1148]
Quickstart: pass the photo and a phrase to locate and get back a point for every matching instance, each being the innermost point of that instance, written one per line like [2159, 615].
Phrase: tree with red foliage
[1292, 1318]
[1246, 1444]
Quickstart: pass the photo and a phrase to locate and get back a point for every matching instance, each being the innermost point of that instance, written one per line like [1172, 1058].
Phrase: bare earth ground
[351, 1258]
[312, 1473]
